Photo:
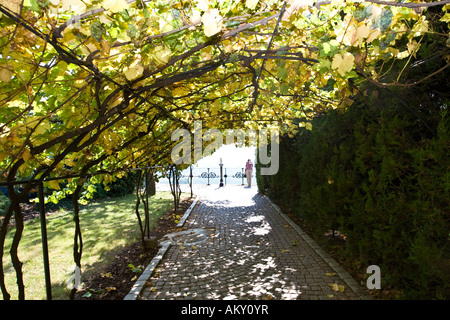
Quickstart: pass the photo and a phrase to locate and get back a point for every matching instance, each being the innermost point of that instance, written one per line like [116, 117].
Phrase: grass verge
[107, 225]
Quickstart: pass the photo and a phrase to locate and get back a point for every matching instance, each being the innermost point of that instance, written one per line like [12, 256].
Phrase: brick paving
[237, 245]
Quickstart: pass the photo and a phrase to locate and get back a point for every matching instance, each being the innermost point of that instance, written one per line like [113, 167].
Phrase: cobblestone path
[237, 245]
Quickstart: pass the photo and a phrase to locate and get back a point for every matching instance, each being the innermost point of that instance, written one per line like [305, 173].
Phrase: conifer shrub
[376, 175]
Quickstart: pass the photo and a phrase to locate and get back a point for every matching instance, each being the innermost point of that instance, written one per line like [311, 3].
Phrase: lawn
[107, 227]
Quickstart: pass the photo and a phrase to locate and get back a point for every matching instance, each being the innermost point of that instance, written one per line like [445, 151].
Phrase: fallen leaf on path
[330, 274]
[336, 287]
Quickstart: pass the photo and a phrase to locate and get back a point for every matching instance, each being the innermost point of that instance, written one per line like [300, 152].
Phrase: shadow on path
[236, 245]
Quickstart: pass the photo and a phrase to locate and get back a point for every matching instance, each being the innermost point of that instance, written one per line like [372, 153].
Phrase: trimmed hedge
[378, 177]
[118, 188]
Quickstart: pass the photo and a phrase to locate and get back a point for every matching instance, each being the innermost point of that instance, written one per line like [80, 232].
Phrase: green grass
[107, 227]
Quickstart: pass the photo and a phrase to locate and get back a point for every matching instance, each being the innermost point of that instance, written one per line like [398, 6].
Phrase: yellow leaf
[343, 64]
[162, 55]
[337, 60]
[13, 5]
[375, 34]
[362, 32]
[203, 5]
[5, 73]
[105, 47]
[53, 184]
[73, 5]
[295, 5]
[420, 27]
[134, 71]
[178, 92]
[115, 5]
[26, 155]
[165, 22]
[403, 54]
[330, 274]
[446, 17]
[348, 36]
[196, 16]
[413, 46]
[251, 4]
[336, 287]
[106, 275]
[212, 22]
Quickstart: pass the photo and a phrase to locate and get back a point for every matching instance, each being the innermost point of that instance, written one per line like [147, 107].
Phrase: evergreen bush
[378, 177]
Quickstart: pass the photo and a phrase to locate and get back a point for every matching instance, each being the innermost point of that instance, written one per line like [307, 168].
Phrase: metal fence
[210, 176]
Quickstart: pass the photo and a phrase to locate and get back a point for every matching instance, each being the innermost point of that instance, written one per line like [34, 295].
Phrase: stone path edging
[140, 282]
[346, 277]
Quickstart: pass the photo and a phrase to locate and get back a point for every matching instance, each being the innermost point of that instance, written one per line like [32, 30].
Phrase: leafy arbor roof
[102, 84]
[89, 85]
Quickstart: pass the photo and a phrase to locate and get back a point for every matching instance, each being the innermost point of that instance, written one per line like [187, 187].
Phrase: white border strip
[187, 213]
[141, 281]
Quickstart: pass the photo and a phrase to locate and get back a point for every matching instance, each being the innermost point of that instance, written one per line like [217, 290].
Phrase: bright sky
[232, 157]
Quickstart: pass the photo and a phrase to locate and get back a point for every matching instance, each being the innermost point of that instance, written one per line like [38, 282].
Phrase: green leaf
[284, 88]
[282, 73]
[33, 4]
[146, 13]
[98, 291]
[326, 48]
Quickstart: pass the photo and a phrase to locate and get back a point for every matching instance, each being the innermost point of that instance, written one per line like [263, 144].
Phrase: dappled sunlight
[235, 246]
[237, 260]
[240, 273]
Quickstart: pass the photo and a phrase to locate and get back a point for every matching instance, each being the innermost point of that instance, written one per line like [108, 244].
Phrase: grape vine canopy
[89, 85]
